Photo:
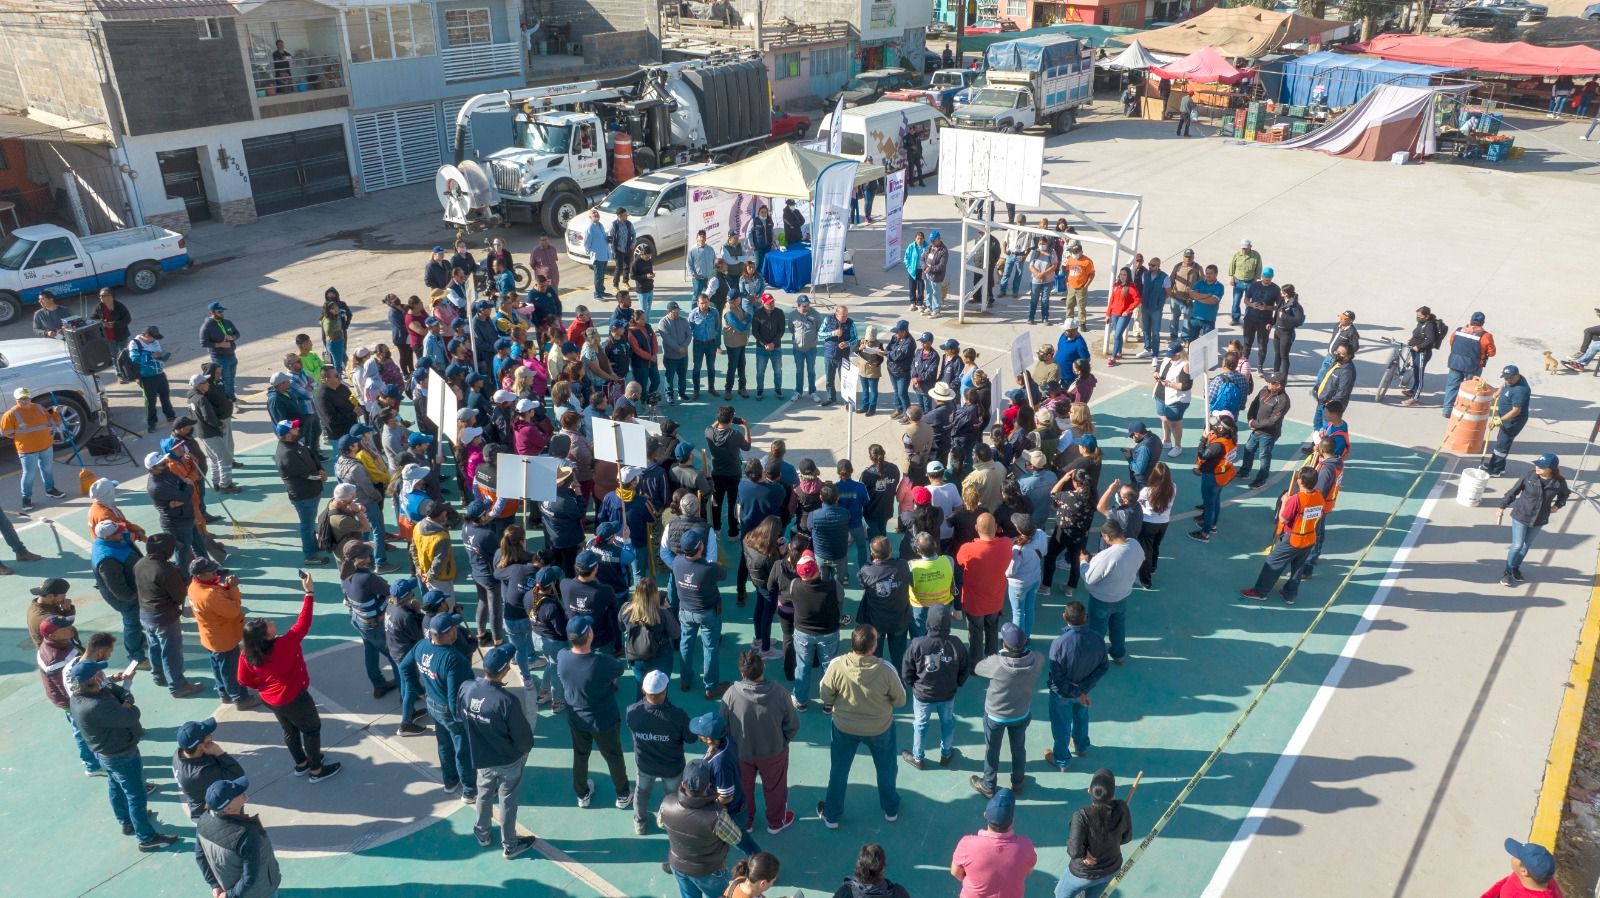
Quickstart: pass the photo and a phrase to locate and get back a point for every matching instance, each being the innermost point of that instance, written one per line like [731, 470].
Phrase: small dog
[1551, 365]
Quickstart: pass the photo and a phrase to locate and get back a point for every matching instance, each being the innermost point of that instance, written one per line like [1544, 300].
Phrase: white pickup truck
[45, 257]
[42, 365]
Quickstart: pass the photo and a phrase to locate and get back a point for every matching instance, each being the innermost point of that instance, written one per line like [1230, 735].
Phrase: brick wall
[171, 80]
[598, 17]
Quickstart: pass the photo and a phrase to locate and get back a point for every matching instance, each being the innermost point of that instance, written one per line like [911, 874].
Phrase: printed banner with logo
[894, 199]
[831, 203]
[721, 212]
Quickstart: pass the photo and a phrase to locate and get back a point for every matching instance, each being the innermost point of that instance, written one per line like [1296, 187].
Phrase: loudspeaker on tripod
[88, 348]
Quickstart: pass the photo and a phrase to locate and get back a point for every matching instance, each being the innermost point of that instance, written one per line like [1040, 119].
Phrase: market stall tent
[1245, 32]
[1388, 120]
[786, 171]
[1135, 57]
[1344, 78]
[1514, 58]
[1204, 66]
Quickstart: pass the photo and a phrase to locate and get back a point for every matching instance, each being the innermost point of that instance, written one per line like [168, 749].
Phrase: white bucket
[1469, 491]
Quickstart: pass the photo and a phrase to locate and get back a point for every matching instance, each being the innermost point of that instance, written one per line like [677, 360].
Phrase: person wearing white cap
[1243, 270]
[660, 731]
[32, 428]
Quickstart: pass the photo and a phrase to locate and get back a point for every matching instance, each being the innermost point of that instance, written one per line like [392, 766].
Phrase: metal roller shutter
[398, 146]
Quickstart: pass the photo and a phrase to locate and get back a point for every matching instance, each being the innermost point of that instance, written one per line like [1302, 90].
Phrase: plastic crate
[1497, 151]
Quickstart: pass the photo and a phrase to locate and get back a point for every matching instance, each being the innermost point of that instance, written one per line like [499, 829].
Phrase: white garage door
[398, 146]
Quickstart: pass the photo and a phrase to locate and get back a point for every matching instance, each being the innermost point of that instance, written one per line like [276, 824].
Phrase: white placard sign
[442, 406]
[652, 428]
[623, 443]
[894, 201]
[1203, 354]
[997, 396]
[1009, 166]
[531, 477]
[849, 382]
[1022, 353]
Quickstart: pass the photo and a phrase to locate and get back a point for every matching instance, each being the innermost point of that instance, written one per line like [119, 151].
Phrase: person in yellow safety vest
[1299, 521]
[30, 426]
[933, 580]
[1329, 467]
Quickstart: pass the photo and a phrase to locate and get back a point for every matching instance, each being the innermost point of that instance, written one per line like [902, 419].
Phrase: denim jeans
[1069, 723]
[549, 648]
[374, 649]
[642, 789]
[1521, 538]
[916, 289]
[1210, 501]
[842, 751]
[677, 376]
[697, 286]
[812, 652]
[1039, 300]
[190, 543]
[1239, 289]
[858, 538]
[706, 626]
[993, 733]
[133, 641]
[336, 354]
[166, 648]
[921, 714]
[711, 885]
[1109, 619]
[902, 393]
[455, 755]
[125, 787]
[1180, 309]
[1150, 321]
[647, 374]
[91, 763]
[765, 357]
[766, 610]
[919, 620]
[1119, 332]
[229, 366]
[705, 359]
[1257, 446]
[1419, 361]
[641, 669]
[380, 556]
[805, 371]
[306, 509]
[831, 378]
[1283, 560]
[499, 785]
[935, 294]
[736, 368]
[892, 646]
[1070, 886]
[869, 394]
[520, 633]
[1023, 598]
[37, 465]
[598, 266]
[1452, 386]
[1011, 276]
[225, 668]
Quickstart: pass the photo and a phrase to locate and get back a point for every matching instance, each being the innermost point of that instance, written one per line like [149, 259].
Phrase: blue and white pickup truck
[45, 257]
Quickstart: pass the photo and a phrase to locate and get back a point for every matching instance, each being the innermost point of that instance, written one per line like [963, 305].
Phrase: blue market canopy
[1346, 78]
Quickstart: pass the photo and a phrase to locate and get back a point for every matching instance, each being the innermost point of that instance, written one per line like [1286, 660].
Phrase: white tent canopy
[786, 171]
[1135, 57]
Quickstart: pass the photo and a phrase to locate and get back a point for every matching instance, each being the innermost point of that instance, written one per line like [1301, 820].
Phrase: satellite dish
[465, 192]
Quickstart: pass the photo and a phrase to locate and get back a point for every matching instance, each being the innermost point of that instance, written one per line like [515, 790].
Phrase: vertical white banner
[894, 199]
[836, 129]
[1022, 353]
[998, 389]
[831, 205]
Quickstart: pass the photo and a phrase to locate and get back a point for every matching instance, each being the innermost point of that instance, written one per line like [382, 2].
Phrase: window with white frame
[467, 27]
[1017, 9]
[378, 33]
[208, 28]
[828, 61]
[786, 66]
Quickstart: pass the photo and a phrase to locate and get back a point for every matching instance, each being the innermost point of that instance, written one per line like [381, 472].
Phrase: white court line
[1234, 856]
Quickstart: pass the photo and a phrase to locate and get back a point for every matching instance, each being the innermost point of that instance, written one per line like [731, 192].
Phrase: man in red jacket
[1533, 873]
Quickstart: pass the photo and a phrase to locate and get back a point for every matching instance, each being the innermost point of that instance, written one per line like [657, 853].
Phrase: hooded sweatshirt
[935, 664]
[855, 888]
[864, 690]
[761, 718]
[1012, 678]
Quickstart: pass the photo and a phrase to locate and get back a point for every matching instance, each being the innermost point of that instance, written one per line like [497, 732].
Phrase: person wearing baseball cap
[767, 326]
[924, 371]
[442, 668]
[233, 845]
[699, 610]
[1532, 500]
[31, 427]
[1470, 349]
[699, 833]
[59, 649]
[1243, 269]
[105, 714]
[499, 735]
[898, 357]
[1533, 873]
[935, 264]
[1508, 416]
[660, 731]
[1013, 673]
[220, 337]
[995, 860]
[1070, 346]
[589, 682]
[197, 764]
[303, 479]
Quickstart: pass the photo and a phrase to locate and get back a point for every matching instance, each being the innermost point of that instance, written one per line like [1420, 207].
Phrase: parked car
[870, 86]
[42, 365]
[1475, 17]
[788, 126]
[1002, 25]
[1521, 10]
[946, 84]
[1592, 11]
[657, 203]
[45, 257]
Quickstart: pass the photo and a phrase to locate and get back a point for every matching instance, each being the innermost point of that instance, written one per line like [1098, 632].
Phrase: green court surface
[1198, 654]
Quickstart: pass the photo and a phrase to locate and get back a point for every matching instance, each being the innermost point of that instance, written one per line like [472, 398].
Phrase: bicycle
[1398, 369]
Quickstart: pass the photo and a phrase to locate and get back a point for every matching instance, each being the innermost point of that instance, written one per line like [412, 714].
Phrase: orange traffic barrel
[622, 157]
[1469, 420]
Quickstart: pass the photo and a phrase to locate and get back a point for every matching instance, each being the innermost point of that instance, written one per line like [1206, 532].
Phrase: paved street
[1415, 720]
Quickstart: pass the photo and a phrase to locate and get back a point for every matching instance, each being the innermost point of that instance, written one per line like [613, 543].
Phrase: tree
[1314, 8]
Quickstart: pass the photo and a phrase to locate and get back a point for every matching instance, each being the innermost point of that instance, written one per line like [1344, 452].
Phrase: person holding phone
[274, 664]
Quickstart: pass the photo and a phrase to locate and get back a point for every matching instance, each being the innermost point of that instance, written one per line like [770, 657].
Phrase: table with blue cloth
[788, 269]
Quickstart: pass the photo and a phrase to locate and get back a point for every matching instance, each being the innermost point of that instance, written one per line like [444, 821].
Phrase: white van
[874, 130]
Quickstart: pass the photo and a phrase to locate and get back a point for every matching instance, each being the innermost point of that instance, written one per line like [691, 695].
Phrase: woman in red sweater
[1120, 308]
[274, 665]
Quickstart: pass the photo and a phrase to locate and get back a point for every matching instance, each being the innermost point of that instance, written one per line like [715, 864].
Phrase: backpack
[1229, 395]
[1292, 316]
[324, 532]
[1440, 332]
[127, 368]
[644, 643]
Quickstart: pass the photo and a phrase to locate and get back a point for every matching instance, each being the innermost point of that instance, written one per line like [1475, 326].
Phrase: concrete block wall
[170, 80]
[597, 17]
[57, 66]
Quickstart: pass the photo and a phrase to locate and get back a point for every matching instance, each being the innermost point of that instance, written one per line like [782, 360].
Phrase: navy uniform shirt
[659, 734]
[589, 682]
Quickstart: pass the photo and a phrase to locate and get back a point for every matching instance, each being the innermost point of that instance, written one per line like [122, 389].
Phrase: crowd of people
[965, 520]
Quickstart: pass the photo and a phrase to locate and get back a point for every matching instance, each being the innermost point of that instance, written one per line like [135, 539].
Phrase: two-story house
[886, 31]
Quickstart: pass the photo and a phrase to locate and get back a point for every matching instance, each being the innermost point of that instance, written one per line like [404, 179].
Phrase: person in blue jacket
[853, 497]
[499, 736]
[1070, 346]
[838, 337]
[1143, 456]
[442, 670]
[897, 360]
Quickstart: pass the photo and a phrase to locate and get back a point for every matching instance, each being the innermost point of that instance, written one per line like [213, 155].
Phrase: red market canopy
[1515, 58]
[1204, 66]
